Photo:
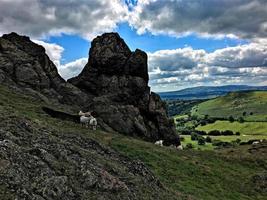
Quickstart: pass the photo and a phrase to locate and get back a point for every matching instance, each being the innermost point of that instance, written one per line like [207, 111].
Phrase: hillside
[207, 92]
[251, 105]
[45, 153]
[54, 159]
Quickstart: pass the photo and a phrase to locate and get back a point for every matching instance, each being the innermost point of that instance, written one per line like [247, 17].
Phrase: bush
[251, 113]
[200, 132]
[237, 140]
[203, 122]
[194, 136]
[214, 132]
[237, 133]
[189, 146]
[193, 117]
[220, 143]
[244, 113]
[181, 138]
[208, 139]
[201, 140]
[186, 132]
[227, 132]
[241, 120]
[231, 119]
[211, 120]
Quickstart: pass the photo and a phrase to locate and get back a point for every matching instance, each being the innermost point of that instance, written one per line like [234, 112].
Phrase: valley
[242, 115]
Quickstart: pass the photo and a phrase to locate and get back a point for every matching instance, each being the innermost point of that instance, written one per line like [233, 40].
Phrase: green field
[188, 174]
[252, 106]
[187, 139]
[246, 128]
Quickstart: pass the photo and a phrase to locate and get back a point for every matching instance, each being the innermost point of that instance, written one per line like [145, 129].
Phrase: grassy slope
[246, 128]
[235, 104]
[201, 174]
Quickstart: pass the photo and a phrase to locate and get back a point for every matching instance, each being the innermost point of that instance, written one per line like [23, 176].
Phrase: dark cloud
[242, 18]
[39, 18]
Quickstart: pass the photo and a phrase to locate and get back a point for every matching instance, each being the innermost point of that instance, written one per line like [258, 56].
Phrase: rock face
[116, 80]
[24, 64]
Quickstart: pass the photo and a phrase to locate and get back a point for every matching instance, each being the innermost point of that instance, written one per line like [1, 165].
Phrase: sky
[189, 42]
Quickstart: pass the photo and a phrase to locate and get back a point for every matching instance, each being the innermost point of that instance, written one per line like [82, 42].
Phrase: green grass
[206, 175]
[235, 104]
[187, 139]
[247, 128]
[180, 117]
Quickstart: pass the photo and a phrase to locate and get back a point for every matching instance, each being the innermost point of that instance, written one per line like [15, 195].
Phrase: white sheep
[87, 119]
[159, 142]
[93, 122]
[180, 147]
[255, 142]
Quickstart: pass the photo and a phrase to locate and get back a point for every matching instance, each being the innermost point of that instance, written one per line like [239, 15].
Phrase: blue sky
[76, 47]
[189, 43]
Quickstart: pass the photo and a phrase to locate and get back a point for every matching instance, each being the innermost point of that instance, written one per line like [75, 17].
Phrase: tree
[227, 132]
[237, 133]
[214, 132]
[194, 136]
[238, 141]
[244, 113]
[241, 120]
[189, 146]
[208, 139]
[231, 119]
[201, 140]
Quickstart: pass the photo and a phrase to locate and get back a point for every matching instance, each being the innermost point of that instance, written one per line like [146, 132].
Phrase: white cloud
[189, 67]
[248, 55]
[51, 17]
[171, 60]
[54, 51]
[68, 70]
[72, 69]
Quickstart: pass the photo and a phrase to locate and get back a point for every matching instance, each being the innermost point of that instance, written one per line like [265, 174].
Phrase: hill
[45, 157]
[207, 92]
[251, 105]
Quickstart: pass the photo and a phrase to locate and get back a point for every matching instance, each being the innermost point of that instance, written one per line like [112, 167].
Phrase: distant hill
[207, 92]
[251, 105]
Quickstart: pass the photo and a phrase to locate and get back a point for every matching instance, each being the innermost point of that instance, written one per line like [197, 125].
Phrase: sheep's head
[81, 113]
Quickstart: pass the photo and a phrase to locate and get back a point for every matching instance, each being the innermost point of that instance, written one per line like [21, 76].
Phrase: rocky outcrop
[116, 80]
[38, 162]
[114, 84]
[25, 65]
